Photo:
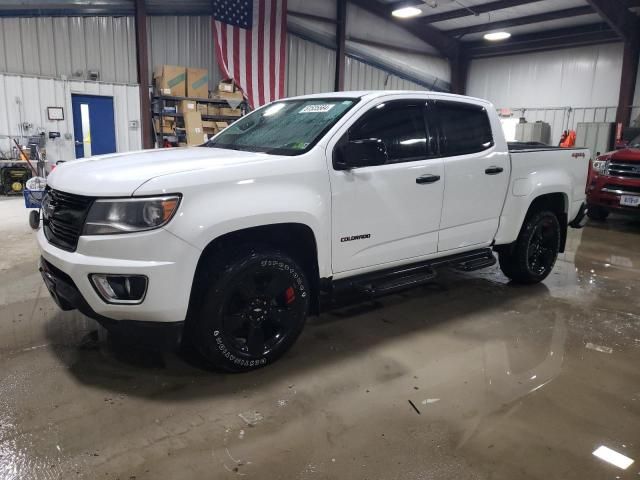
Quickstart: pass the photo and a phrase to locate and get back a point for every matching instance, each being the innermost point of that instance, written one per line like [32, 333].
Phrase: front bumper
[605, 192]
[160, 335]
[167, 261]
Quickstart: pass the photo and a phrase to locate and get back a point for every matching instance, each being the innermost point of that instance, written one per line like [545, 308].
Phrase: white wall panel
[35, 94]
[57, 46]
[562, 87]
[579, 77]
[183, 40]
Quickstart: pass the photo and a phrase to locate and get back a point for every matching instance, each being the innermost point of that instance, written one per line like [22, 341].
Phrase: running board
[389, 285]
[398, 278]
[472, 264]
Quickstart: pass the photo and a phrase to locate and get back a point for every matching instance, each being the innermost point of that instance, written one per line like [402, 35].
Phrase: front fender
[206, 214]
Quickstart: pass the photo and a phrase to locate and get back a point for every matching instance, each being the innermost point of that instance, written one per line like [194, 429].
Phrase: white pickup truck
[235, 241]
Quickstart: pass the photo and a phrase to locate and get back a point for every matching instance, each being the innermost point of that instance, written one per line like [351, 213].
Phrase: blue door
[93, 125]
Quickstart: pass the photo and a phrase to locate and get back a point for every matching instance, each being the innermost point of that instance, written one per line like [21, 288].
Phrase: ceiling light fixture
[406, 12]
[494, 36]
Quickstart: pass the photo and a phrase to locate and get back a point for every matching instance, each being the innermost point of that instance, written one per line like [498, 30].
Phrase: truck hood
[630, 155]
[122, 174]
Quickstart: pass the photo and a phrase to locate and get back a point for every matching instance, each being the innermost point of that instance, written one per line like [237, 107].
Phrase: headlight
[125, 215]
[600, 166]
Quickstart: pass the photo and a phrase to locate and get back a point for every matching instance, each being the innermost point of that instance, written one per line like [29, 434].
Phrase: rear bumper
[160, 335]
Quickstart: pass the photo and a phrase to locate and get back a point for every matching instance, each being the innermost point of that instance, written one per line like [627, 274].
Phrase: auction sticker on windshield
[321, 108]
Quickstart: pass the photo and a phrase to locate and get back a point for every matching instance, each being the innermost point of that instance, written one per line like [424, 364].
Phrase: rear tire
[598, 214]
[533, 255]
[254, 308]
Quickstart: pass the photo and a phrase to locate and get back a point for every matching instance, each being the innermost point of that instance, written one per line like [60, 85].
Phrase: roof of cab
[380, 93]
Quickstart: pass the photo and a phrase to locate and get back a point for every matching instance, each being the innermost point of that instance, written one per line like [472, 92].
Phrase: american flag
[250, 39]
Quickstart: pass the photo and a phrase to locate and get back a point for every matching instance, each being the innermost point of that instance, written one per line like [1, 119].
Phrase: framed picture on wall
[55, 113]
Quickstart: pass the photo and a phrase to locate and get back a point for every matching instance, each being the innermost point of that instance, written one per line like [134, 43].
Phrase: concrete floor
[510, 382]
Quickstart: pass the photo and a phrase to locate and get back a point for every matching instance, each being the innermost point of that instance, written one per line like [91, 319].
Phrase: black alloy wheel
[543, 245]
[254, 307]
[260, 311]
[532, 256]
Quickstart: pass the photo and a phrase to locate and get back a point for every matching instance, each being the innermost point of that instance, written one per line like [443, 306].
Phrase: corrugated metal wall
[185, 40]
[310, 67]
[546, 84]
[57, 46]
[36, 94]
[361, 76]
[585, 76]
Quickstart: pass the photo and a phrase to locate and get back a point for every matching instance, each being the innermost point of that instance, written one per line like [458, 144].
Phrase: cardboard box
[208, 124]
[203, 108]
[221, 125]
[237, 96]
[213, 110]
[226, 86]
[197, 82]
[166, 126]
[193, 126]
[187, 106]
[230, 112]
[170, 80]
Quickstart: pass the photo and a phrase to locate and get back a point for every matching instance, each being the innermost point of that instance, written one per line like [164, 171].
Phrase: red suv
[614, 182]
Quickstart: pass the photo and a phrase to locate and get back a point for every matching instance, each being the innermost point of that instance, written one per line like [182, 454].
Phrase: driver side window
[399, 125]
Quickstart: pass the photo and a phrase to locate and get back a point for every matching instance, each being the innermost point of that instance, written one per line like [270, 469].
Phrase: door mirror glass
[362, 153]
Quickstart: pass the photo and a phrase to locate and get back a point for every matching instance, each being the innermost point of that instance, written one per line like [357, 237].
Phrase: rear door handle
[428, 178]
[494, 170]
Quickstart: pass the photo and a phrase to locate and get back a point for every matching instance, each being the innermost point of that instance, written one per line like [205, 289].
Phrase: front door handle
[494, 170]
[428, 178]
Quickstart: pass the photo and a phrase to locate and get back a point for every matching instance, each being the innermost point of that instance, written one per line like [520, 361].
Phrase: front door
[93, 125]
[391, 212]
[476, 173]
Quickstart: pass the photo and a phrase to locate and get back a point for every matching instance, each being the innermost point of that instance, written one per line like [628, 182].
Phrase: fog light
[129, 289]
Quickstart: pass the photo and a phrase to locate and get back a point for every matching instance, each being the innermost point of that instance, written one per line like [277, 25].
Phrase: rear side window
[464, 128]
[399, 125]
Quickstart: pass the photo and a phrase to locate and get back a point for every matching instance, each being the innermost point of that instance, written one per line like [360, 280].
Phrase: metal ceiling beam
[547, 40]
[474, 10]
[514, 22]
[617, 15]
[446, 45]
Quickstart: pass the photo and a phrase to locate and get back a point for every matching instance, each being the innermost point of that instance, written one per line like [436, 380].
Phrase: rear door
[391, 212]
[476, 175]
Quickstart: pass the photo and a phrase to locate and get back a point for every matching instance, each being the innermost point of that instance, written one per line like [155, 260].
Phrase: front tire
[254, 309]
[532, 257]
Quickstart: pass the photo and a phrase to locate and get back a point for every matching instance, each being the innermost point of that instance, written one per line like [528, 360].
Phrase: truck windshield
[290, 127]
[635, 143]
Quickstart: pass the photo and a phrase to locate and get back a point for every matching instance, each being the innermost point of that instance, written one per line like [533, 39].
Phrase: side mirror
[361, 153]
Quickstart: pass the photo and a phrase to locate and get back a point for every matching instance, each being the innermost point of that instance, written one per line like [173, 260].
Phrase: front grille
[625, 170]
[63, 217]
